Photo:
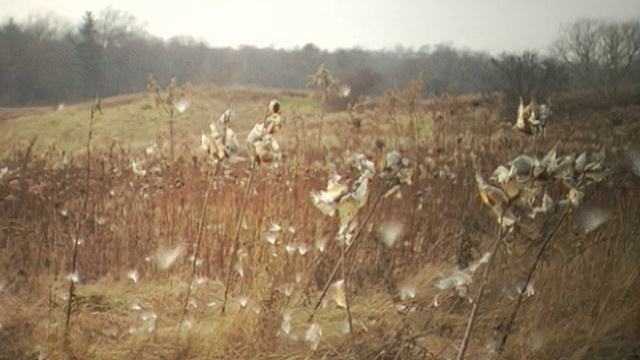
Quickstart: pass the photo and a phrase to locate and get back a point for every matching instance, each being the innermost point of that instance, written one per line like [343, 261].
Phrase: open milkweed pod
[222, 141]
[335, 190]
[575, 197]
[596, 174]
[361, 193]
[260, 144]
[508, 179]
[225, 117]
[260, 141]
[548, 206]
[489, 194]
[231, 141]
[501, 174]
[215, 147]
[274, 107]
[564, 167]
[347, 210]
[395, 171]
[533, 118]
[266, 150]
[512, 187]
[393, 161]
[273, 123]
[521, 124]
[256, 133]
[361, 163]
[523, 164]
[215, 130]
[326, 207]
[338, 294]
[580, 163]
[531, 193]
[327, 201]
[509, 219]
[547, 165]
[545, 113]
[206, 143]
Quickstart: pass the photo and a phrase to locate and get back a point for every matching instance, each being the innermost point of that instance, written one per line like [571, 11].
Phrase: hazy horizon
[493, 26]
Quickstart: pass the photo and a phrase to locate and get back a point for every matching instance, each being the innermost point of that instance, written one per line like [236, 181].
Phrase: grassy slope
[133, 122]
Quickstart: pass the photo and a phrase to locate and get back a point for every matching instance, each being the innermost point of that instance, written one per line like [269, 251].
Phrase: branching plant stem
[338, 266]
[546, 242]
[236, 240]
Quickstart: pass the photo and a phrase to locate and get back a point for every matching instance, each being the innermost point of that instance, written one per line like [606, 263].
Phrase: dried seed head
[182, 105]
[133, 275]
[273, 227]
[303, 249]
[242, 301]
[338, 294]
[285, 327]
[407, 292]
[592, 218]
[345, 91]
[271, 238]
[74, 277]
[164, 258]
[313, 336]
[390, 232]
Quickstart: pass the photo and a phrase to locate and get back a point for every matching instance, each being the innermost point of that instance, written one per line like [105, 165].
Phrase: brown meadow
[143, 293]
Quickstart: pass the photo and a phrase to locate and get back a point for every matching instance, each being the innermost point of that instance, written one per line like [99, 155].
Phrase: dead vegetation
[153, 267]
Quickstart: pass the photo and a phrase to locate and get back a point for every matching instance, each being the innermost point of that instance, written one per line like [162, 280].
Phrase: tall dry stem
[236, 239]
[478, 298]
[196, 255]
[76, 241]
[516, 308]
[346, 251]
[320, 126]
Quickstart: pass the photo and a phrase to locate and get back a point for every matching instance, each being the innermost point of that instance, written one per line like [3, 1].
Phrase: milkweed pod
[274, 107]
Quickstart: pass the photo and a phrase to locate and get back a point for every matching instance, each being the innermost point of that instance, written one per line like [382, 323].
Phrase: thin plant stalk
[319, 141]
[476, 301]
[346, 291]
[196, 255]
[171, 133]
[537, 142]
[236, 240]
[514, 313]
[346, 252]
[76, 242]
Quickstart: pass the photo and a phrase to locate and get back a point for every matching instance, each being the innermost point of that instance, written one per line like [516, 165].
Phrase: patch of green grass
[302, 102]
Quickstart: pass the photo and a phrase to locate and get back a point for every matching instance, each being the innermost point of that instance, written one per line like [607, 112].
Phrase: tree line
[44, 60]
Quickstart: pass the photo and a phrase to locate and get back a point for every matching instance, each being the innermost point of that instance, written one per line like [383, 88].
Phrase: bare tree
[114, 27]
[47, 26]
[602, 54]
[527, 75]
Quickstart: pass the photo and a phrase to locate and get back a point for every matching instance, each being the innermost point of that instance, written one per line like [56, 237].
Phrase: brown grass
[586, 300]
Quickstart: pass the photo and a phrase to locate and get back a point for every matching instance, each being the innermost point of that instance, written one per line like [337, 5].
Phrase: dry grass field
[157, 247]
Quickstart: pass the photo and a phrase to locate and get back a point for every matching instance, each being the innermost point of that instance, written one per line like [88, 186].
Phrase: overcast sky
[489, 25]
